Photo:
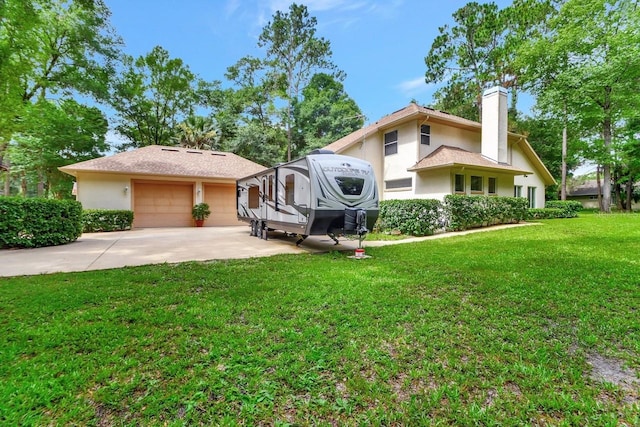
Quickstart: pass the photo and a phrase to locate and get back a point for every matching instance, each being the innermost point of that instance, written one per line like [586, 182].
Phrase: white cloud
[410, 87]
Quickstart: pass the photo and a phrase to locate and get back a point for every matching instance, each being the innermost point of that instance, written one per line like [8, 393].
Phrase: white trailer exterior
[321, 193]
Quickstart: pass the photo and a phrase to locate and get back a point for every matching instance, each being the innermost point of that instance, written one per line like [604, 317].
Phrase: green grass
[486, 329]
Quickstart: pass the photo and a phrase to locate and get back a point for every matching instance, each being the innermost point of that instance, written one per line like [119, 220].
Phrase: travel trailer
[321, 193]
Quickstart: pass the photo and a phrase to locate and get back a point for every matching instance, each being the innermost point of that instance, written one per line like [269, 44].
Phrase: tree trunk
[606, 135]
[599, 183]
[563, 184]
[629, 194]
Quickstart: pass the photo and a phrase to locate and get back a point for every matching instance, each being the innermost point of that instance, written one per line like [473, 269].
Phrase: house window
[458, 185]
[391, 143]
[254, 197]
[492, 185]
[531, 196]
[289, 187]
[517, 191]
[425, 135]
[476, 184]
[394, 184]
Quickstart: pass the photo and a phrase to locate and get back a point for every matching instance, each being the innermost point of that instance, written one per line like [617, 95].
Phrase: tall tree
[51, 47]
[59, 134]
[294, 53]
[592, 52]
[477, 52]
[325, 114]
[151, 96]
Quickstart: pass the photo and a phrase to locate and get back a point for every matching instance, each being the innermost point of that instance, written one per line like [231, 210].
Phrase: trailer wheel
[263, 230]
[252, 230]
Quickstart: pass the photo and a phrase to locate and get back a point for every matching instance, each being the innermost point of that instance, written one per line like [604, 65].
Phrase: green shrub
[416, 217]
[464, 212]
[30, 223]
[94, 220]
[570, 208]
[546, 213]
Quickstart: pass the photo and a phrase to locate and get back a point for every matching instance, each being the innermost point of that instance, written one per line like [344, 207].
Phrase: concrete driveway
[97, 251]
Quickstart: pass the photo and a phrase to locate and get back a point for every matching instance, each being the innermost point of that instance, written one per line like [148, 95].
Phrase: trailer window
[254, 197]
[350, 186]
[271, 188]
[289, 187]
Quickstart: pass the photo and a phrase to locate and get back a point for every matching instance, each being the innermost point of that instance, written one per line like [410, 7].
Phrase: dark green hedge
[94, 220]
[546, 213]
[464, 212]
[416, 217]
[421, 217]
[569, 208]
[30, 223]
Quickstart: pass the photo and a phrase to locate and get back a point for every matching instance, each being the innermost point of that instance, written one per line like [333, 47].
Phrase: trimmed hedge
[422, 217]
[546, 213]
[417, 217]
[466, 212]
[94, 220]
[36, 222]
[570, 208]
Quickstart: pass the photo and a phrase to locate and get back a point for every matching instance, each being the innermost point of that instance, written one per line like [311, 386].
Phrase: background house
[418, 152]
[161, 184]
[586, 192]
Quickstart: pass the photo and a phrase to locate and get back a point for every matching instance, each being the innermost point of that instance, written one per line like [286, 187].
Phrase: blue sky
[380, 44]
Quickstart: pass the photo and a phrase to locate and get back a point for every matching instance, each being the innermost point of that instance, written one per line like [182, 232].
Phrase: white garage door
[222, 202]
[166, 204]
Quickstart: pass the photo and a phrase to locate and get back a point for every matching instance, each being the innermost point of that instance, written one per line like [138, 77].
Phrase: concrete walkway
[97, 251]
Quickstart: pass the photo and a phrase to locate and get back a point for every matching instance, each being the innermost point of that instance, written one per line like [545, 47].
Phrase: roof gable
[447, 157]
[169, 161]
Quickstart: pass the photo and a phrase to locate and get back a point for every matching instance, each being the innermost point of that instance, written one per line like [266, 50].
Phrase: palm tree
[198, 132]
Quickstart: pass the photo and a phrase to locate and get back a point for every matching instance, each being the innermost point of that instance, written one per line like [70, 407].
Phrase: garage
[162, 204]
[222, 202]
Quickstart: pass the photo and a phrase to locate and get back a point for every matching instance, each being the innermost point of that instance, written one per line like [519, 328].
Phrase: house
[161, 184]
[586, 192]
[419, 152]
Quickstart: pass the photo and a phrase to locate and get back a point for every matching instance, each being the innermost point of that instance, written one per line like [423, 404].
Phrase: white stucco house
[419, 152]
[161, 184]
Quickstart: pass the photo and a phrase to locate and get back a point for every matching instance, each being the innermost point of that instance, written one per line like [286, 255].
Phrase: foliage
[464, 212]
[200, 211]
[95, 220]
[570, 208]
[50, 49]
[293, 55]
[584, 67]
[415, 217]
[487, 329]
[56, 134]
[478, 52]
[151, 96]
[325, 114]
[31, 223]
[198, 132]
[545, 213]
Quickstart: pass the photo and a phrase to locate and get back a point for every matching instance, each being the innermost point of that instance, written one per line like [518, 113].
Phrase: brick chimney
[494, 124]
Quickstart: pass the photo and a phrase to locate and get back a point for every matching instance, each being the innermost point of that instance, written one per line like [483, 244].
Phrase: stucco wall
[104, 191]
[520, 161]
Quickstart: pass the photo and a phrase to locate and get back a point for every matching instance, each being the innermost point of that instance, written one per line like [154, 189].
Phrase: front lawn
[535, 325]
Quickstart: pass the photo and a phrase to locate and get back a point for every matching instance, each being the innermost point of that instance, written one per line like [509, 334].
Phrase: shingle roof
[446, 157]
[170, 161]
[407, 113]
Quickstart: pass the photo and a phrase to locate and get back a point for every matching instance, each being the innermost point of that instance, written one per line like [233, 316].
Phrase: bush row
[466, 212]
[422, 217]
[569, 208]
[416, 217]
[31, 223]
[94, 220]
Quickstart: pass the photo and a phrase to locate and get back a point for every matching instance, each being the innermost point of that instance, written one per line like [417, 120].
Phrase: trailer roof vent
[321, 151]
